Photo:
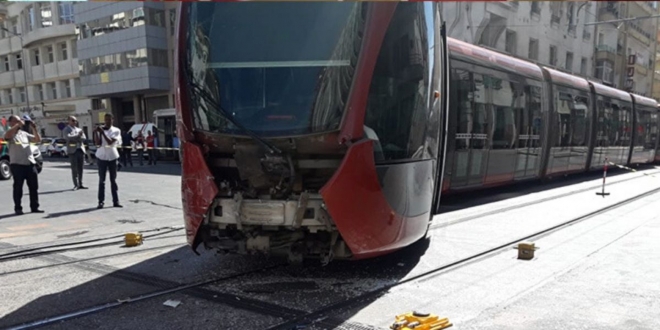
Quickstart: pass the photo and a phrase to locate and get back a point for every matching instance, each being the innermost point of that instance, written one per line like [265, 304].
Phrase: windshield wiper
[210, 100]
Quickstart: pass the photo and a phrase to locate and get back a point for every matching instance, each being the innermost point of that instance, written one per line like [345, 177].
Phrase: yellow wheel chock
[420, 321]
[133, 239]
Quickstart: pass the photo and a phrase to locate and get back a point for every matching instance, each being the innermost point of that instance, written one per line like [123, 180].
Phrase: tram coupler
[420, 321]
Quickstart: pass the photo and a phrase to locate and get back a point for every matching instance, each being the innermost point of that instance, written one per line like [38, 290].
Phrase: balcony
[605, 52]
[609, 12]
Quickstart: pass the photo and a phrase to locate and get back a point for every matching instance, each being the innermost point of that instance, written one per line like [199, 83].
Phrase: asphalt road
[36, 288]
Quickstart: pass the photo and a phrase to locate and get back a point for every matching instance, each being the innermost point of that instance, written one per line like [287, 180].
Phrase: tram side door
[470, 128]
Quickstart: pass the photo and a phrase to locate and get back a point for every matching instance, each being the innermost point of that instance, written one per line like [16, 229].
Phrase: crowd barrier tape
[629, 169]
[74, 145]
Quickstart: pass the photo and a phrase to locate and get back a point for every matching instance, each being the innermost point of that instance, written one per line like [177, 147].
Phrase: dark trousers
[25, 173]
[152, 156]
[77, 161]
[126, 156]
[140, 153]
[108, 166]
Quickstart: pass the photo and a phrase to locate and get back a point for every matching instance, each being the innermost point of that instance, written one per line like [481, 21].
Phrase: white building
[550, 33]
[48, 58]
[626, 50]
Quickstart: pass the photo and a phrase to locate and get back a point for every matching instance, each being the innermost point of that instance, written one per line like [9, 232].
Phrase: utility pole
[624, 51]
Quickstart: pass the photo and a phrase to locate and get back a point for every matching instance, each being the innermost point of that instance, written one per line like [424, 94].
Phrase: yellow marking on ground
[26, 227]
[10, 235]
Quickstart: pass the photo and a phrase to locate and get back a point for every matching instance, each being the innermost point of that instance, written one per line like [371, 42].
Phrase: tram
[330, 130]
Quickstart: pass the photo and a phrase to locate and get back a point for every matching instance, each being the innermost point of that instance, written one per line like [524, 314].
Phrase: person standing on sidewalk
[75, 148]
[22, 162]
[126, 148]
[108, 138]
[139, 146]
[151, 148]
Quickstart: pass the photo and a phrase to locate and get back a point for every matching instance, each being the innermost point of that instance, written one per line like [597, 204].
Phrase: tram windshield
[275, 68]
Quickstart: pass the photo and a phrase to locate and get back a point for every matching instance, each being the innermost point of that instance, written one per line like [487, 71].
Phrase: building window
[6, 66]
[511, 42]
[569, 61]
[10, 96]
[51, 57]
[63, 52]
[67, 89]
[583, 66]
[66, 12]
[40, 89]
[19, 61]
[553, 55]
[53, 90]
[74, 51]
[536, 7]
[605, 71]
[21, 92]
[36, 57]
[533, 49]
[13, 23]
[46, 15]
[30, 18]
[76, 87]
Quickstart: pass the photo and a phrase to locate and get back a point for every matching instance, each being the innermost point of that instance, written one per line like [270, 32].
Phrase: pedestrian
[22, 161]
[126, 148]
[151, 148]
[107, 138]
[75, 148]
[139, 146]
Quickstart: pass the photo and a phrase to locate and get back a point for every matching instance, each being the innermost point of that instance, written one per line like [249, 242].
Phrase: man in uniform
[22, 162]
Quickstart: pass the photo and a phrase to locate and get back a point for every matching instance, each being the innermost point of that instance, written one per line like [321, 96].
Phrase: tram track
[325, 315]
[526, 204]
[80, 245]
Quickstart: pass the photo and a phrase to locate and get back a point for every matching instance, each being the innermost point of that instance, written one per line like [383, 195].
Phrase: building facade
[38, 45]
[548, 33]
[126, 57]
[625, 56]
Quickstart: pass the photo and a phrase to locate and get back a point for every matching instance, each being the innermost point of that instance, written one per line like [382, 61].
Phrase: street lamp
[25, 62]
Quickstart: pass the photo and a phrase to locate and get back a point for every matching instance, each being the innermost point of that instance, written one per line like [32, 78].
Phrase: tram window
[535, 109]
[397, 105]
[579, 117]
[652, 131]
[626, 124]
[480, 117]
[503, 115]
[464, 100]
[571, 124]
[644, 130]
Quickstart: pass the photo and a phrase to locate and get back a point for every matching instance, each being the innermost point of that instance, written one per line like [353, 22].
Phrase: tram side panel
[645, 130]
[495, 129]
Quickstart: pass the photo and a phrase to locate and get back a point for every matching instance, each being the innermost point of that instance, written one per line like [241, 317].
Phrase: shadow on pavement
[181, 266]
[61, 214]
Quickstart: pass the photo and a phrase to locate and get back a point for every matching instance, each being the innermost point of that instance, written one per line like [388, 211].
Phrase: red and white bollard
[603, 193]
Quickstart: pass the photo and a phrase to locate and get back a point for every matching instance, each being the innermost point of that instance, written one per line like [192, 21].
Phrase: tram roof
[493, 59]
[611, 92]
[568, 79]
[645, 101]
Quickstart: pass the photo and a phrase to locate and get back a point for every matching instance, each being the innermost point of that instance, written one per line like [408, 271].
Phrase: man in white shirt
[108, 138]
[22, 161]
[75, 148]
